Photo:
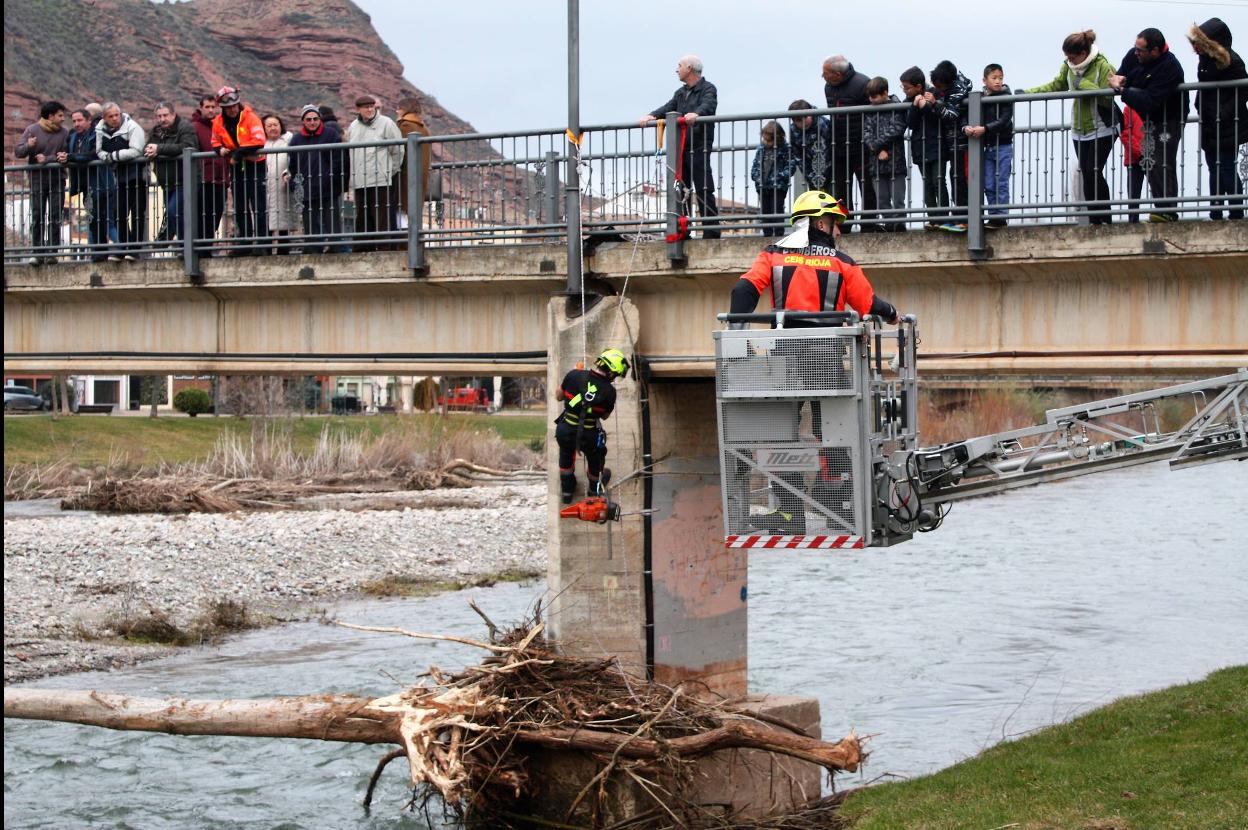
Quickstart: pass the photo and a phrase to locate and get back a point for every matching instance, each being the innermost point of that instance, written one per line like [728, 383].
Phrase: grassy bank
[1177, 758]
[94, 440]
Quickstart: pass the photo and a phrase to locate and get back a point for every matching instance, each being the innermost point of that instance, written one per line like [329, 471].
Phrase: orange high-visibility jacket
[814, 278]
[250, 132]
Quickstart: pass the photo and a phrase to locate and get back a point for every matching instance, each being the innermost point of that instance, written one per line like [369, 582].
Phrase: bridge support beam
[659, 589]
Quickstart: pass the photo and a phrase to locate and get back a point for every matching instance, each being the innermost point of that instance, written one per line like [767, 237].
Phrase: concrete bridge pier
[658, 589]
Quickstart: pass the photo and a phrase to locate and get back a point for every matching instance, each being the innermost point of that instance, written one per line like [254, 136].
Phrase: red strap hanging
[680, 156]
[682, 222]
[682, 230]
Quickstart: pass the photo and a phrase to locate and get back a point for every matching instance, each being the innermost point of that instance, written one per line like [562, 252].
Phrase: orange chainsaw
[593, 509]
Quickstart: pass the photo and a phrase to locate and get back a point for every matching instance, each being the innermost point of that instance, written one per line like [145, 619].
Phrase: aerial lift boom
[819, 441]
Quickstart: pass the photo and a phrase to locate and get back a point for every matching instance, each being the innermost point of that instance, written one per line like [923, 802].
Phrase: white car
[23, 397]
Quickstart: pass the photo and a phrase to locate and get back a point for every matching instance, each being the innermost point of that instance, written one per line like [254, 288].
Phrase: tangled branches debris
[475, 739]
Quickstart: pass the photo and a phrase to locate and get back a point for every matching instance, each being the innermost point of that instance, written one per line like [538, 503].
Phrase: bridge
[1057, 304]
[466, 288]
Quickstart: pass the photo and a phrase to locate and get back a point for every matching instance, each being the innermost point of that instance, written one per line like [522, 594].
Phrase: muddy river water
[1024, 610]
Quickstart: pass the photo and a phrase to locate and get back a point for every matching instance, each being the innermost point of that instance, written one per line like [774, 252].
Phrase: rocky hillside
[281, 53]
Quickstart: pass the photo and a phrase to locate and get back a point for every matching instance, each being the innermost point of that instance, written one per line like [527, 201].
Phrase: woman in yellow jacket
[238, 134]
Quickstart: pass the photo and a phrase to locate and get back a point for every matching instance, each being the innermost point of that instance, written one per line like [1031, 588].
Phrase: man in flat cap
[373, 171]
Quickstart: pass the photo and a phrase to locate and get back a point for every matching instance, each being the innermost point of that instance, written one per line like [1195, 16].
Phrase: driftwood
[466, 737]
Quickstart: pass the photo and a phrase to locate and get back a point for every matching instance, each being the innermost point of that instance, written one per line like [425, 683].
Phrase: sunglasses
[311, 118]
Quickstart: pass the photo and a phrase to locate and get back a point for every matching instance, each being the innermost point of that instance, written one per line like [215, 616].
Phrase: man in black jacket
[1223, 112]
[171, 135]
[1149, 79]
[322, 177]
[695, 98]
[844, 86]
[950, 103]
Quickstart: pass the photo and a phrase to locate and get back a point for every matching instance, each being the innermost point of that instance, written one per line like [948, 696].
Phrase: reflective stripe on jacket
[815, 278]
[250, 133]
[587, 396]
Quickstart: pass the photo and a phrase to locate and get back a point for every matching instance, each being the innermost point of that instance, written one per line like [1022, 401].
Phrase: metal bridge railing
[507, 188]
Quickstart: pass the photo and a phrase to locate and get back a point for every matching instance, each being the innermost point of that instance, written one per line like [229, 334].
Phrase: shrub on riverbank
[1173, 758]
[156, 627]
[192, 401]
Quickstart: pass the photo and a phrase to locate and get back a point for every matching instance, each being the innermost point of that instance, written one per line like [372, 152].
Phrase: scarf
[1080, 68]
[47, 127]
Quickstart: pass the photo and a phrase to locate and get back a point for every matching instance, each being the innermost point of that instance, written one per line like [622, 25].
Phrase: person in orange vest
[238, 134]
[805, 272]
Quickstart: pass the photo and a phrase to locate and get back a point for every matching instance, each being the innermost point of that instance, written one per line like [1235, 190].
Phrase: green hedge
[192, 401]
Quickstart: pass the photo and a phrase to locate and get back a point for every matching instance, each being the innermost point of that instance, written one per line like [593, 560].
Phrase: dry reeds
[263, 469]
[215, 619]
[956, 417]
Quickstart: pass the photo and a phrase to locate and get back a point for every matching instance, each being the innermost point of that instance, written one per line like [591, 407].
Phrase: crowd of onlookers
[106, 158]
[283, 199]
[833, 152]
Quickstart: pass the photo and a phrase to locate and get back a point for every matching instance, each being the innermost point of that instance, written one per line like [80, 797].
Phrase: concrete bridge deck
[1062, 304]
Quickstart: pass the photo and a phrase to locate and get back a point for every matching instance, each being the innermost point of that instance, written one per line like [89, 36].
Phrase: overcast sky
[502, 64]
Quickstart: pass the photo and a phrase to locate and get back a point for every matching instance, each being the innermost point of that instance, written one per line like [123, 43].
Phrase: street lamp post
[572, 186]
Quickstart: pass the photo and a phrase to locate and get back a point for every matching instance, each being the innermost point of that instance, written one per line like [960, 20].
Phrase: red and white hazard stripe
[794, 542]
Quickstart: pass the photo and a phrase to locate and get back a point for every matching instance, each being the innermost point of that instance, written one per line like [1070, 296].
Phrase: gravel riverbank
[68, 579]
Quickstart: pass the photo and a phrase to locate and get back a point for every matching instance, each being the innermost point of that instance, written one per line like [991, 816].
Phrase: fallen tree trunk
[317, 717]
[350, 719]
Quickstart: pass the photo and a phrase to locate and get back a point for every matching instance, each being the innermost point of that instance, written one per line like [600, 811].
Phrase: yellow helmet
[814, 203]
[614, 362]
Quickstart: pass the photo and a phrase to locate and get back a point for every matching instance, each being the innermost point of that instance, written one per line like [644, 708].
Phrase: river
[1024, 610]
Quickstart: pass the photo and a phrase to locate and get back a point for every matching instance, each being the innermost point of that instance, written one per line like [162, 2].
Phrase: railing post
[190, 213]
[975, 181]
[550, 205]
[671, 150]
[415, 205]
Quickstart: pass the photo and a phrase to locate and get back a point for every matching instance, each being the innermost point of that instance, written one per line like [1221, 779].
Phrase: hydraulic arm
[1100, 435]
[819, 442]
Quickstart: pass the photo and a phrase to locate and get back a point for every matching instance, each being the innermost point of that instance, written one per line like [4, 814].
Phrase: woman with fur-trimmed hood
[1223, 112]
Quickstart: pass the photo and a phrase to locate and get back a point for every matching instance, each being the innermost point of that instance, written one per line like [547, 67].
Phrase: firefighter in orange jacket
[805, 271]
[238, 135]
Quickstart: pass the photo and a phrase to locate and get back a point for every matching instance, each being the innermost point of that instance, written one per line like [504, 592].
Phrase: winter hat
[309, 108]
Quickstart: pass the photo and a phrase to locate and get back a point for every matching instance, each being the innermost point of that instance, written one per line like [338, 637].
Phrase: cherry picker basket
[806, 415]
